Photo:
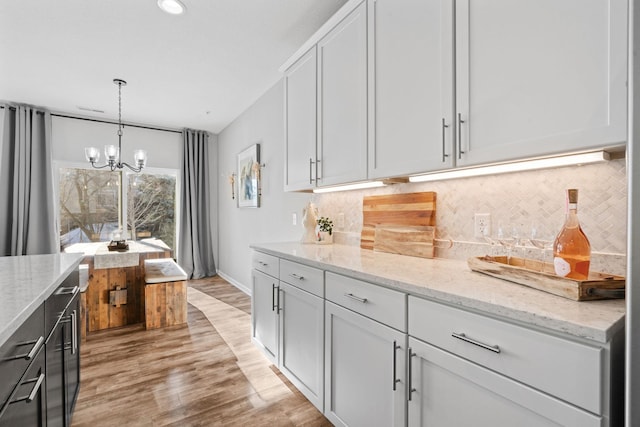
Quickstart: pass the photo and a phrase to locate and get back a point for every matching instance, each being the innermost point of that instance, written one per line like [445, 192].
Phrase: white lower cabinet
[466, 368]
[368, 355]
[287, 322]
[264, 313]
[447, 390]
[364, 372]
[302, 341]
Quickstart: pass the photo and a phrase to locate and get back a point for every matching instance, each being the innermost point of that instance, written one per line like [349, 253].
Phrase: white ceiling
[198, 70]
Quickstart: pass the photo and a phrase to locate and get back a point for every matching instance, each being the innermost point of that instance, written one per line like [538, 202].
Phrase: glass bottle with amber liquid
[571, 249]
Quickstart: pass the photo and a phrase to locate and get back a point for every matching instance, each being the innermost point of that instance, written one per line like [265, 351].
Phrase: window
[92, 205]
[151, 206]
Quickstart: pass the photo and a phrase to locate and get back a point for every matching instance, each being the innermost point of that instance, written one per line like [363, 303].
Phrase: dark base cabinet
[63, 352]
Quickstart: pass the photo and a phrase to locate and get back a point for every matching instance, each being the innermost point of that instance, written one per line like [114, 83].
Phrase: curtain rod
[66, 116]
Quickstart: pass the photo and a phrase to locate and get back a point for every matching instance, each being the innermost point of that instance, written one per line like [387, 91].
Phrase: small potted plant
[324, 231]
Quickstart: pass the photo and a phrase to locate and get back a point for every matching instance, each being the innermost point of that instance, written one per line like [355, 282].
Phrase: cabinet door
[411, 65]
[72, 356]
[364, 370]
[264, 314]
[55, 377]
[302, 341]
[447, 390]
[27, 405]
[300, 123]
[342, 104]
[539, 77]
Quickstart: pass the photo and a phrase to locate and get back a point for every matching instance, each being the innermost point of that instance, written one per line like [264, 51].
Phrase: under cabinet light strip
[358, 186]
[551, 162]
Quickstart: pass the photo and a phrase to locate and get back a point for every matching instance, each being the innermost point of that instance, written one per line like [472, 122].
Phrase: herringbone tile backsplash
[521, 199]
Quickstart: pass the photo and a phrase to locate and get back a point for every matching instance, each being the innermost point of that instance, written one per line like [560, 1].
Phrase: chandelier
[113, 153]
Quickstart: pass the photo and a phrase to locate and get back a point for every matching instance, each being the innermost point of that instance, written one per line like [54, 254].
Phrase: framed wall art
[248, 177]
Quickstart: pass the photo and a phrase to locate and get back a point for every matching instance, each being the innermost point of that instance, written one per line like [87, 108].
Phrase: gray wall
[262, 123]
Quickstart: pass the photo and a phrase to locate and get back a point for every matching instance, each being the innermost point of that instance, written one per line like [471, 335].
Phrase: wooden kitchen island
[110, 272]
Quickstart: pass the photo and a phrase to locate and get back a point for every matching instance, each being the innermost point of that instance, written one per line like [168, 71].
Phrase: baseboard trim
[234, 282]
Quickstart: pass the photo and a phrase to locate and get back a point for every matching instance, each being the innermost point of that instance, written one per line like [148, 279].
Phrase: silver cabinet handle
[410, 389]
[444, 151]
[318, 171]
[32, 353]
[273, 297]
[465, 338]
[460, 122]
[352, 296]
[67, 291]
[74, 332]
[311, 163]
[34, 391]
[296, 276]
[395, 376]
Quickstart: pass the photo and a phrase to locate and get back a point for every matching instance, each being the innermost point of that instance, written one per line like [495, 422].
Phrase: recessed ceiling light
[174, 7]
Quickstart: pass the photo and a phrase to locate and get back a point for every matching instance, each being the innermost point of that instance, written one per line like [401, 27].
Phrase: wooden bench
[165, 293]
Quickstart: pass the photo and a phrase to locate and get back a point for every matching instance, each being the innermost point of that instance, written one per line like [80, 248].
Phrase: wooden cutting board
[410, 209]
[411, 240]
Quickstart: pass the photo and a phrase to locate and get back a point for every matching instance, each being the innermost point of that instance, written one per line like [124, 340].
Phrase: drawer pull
[465, 338]
[67, 291]
[296, 276]
[352, 296]
[34, 391]
[28, 356]
[264, 264]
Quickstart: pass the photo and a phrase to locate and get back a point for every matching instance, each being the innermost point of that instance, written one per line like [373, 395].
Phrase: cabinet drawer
[384, 305]
[567, 369]
[302, 276]
[18, 352]
[266, 263]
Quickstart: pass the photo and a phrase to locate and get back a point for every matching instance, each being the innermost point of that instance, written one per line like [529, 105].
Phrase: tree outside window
[90, 205]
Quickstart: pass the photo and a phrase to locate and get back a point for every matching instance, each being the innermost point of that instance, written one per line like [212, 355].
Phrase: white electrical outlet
[294, 218]
[482, 225]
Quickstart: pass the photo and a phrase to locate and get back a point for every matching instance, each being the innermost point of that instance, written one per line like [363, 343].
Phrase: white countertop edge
[524, 317]
[7, 329]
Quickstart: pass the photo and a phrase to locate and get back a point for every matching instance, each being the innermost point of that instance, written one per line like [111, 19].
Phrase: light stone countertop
[453, 282]
[26, 282]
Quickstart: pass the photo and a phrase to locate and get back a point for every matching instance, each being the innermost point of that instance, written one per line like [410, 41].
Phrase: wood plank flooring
[205, 373]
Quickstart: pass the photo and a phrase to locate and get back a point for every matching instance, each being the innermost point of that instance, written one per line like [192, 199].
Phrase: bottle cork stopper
[572, 195]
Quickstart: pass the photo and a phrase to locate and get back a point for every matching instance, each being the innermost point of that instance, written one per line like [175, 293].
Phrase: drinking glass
[540, 240]
[508, 236]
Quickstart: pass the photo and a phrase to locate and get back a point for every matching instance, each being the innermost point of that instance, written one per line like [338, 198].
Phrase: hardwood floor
[206, 373]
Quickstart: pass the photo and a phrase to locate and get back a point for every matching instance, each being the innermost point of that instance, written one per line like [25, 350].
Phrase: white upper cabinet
[411, 67]
[390, 88]
[342, 103]
[539, 77]
[300, 123]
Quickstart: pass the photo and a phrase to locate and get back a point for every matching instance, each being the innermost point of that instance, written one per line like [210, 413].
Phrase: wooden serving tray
[540, 275]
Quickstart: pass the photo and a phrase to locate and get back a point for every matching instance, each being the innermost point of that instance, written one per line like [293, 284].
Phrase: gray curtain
[195, 254]
[27, 214]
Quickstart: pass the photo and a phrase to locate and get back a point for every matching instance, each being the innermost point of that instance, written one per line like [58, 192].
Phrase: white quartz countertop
[452, 282]
[26, 282]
